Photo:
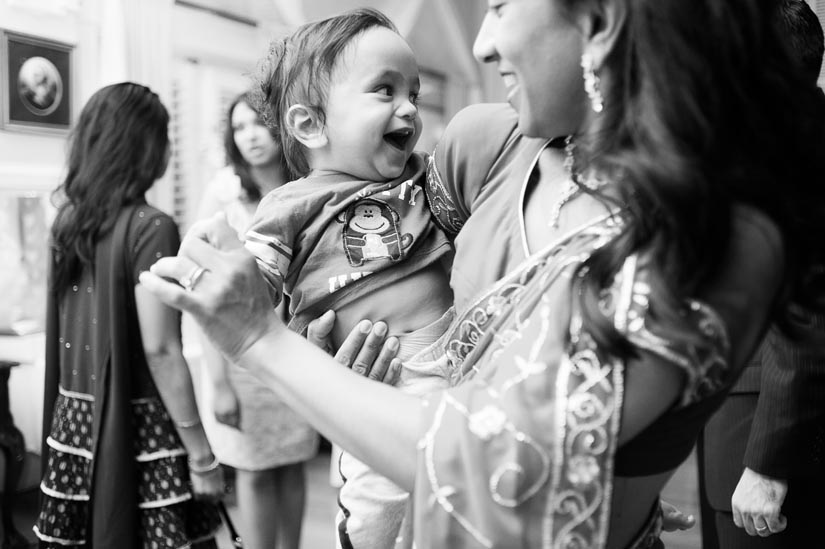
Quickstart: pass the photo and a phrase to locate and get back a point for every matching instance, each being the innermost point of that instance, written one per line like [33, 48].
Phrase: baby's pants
[371, 507]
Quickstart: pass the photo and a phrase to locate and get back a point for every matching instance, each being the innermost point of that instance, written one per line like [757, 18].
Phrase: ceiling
[295, 12]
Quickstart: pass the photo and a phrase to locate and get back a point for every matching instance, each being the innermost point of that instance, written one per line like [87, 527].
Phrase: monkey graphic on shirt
[371, 232]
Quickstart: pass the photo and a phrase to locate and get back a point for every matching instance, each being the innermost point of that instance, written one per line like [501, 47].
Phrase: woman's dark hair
[251, 190]
[706, 109]
[298, 70]
[117, 150]
[799, 26]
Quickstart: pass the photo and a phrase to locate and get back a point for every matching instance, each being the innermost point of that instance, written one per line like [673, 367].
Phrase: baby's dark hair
[298, 70]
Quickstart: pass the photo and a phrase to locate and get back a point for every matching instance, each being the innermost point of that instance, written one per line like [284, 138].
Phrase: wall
[28, 160]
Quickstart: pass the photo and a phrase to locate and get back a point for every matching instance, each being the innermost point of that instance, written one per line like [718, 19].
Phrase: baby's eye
[384, 90]
[414, 98]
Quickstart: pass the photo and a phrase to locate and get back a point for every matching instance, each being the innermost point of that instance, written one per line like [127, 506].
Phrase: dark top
[94, 354]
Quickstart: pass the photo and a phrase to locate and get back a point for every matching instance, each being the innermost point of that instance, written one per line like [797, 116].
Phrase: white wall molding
[28, 177]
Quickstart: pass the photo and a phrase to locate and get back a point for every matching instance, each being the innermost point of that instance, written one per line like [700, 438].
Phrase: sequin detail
[541, 407]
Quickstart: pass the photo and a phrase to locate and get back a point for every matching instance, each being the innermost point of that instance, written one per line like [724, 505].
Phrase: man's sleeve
[787, 438]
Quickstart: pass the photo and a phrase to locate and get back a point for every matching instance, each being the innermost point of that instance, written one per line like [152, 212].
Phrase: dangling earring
[591, 83]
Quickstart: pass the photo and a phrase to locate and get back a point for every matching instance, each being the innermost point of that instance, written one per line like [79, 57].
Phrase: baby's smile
[398, 139]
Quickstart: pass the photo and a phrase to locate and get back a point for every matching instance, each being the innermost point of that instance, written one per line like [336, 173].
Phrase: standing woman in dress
[125, 458]
[250, 427]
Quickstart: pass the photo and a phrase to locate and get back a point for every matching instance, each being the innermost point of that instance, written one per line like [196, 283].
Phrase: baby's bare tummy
[406, 305]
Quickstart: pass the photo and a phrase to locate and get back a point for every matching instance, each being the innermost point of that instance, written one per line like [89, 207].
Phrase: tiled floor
[318, 532]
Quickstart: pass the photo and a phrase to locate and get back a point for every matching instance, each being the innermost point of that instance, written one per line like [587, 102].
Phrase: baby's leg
[371, 507]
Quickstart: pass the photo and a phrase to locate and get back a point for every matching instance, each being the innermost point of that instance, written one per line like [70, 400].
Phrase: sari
[519, 452]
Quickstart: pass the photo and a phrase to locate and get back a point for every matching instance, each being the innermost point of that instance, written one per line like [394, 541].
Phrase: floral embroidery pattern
[487, 422]
[704, 361]
[441, 202]
[519, 374]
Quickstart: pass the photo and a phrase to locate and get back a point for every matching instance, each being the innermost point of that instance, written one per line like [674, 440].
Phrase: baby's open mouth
[399, 138]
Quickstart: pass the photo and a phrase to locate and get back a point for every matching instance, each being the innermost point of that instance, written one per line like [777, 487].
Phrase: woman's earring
[591, 83]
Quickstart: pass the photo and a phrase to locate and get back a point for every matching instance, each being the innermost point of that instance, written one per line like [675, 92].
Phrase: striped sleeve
[273, 257]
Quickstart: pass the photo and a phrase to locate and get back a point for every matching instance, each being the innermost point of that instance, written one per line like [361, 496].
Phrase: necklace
[573, 185]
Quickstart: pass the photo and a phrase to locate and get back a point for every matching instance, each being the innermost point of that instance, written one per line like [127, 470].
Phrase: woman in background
[125, 458]
[251, 428]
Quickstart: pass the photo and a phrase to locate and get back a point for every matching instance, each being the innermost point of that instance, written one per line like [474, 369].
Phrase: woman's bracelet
[203, 469]
[188, 424]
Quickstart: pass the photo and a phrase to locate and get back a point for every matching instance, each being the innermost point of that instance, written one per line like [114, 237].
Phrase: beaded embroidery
[511, 385]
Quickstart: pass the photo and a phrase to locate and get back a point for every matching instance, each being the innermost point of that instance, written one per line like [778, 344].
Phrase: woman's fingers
[215, 231]
[674, 519]
[367, 350]
[366, 356]
[170, 293]
[320, 329]
[364, 349]
[351, 347]
[385, 368]
[224, 291]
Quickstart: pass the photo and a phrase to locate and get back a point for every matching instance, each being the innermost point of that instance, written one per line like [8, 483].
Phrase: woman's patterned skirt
[169, 515]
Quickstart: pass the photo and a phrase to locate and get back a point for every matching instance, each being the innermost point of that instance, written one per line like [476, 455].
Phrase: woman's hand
[674, 519]
[367, 350]
[228, 299]
[226, 406]
[209, 486]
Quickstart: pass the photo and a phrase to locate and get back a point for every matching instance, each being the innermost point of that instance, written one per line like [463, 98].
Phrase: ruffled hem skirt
[169, 516]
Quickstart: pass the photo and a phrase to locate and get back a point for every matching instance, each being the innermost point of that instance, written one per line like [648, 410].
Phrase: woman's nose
[483, 47]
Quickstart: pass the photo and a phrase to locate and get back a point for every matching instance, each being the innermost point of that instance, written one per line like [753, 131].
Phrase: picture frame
[35, 83]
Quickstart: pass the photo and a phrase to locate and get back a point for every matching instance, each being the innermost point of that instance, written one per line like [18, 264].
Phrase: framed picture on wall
[35, 83]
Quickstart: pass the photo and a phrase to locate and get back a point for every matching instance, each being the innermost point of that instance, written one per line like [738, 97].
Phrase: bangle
[188, 424]
[203, 469]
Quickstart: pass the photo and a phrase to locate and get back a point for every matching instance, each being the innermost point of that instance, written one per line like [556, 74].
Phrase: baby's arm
[269, 239]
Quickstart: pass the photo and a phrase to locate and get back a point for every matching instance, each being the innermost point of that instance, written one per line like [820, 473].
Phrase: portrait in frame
[35, 75]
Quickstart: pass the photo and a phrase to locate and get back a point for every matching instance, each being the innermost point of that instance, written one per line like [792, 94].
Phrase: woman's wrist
[188, 423]
[203, 464]
[264, 349]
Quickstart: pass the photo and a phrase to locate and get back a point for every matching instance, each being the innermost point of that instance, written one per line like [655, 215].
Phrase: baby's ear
[306, 126]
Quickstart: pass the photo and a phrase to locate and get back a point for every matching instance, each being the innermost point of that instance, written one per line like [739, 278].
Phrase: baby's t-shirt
[328, 240]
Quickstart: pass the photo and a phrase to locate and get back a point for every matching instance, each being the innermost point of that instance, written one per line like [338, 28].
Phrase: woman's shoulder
[481, 130]
[146, 214]
[149, 222]
[756, 250]
[754, 229]
[480, 118]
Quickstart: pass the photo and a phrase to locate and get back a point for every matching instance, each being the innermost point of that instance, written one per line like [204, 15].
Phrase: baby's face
[372, 121]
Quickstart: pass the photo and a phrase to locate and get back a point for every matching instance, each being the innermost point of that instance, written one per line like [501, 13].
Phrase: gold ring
[761, 528]
[190, 281]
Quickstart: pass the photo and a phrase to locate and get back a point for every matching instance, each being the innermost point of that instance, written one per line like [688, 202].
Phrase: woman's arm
[304, 375]
[743, 294]
[230, 303]
[225, 403]
[160, 333]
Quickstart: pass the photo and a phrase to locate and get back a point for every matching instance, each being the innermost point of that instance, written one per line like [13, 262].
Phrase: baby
[354, 233]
